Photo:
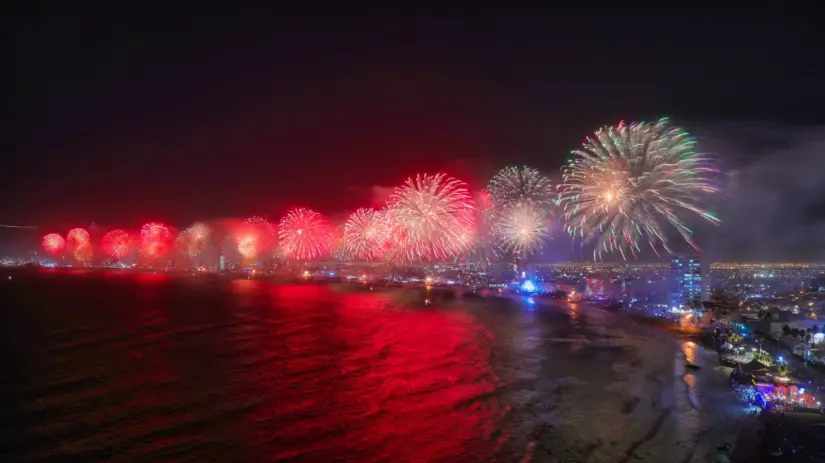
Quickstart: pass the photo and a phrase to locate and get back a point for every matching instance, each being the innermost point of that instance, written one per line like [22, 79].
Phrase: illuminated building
[595, 286]
[685, 280]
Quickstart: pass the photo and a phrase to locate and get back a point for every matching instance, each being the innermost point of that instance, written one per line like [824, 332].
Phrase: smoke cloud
[774, 208]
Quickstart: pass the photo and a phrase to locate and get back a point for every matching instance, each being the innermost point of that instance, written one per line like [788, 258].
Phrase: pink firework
[53, 243]
[366, 233]
[304, 234]
[155, 239]
[116, 243]
[432, 217]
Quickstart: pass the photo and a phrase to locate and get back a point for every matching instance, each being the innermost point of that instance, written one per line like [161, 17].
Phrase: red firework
[78, 243]
[366, 233]
[77, 237]
[254, 235]
[155, 239]
[304, 233]
[53, 243]
[116, 243]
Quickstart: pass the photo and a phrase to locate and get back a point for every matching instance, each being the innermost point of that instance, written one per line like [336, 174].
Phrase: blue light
[528, 286]
[760, 400]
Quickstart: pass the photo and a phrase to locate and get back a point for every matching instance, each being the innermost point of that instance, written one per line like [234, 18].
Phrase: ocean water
[124, 367]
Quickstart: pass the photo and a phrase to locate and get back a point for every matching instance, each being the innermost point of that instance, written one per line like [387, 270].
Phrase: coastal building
[685, 281]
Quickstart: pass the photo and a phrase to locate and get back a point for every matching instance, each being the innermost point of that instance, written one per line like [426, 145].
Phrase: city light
[528, 286]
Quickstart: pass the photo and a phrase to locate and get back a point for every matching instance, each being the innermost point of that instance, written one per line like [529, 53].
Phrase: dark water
[120, 367]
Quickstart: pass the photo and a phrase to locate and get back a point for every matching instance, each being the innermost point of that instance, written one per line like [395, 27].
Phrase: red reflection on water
[357, 378]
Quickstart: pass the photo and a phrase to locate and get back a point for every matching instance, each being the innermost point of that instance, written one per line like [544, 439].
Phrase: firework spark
[519, 184]
[304, 234]
[627, 182]
[366, 233]
[53, 243]
[154, 239]
[77, 237]
[79, 244]
[338, 246]
[116, 243]
[192, 241]
[484, 249]
[84, 254]
[253, 236]
[523, 228]
[248, 246]
[432, 217]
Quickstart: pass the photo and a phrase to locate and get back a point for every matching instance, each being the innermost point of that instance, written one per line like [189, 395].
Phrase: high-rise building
[685, 280]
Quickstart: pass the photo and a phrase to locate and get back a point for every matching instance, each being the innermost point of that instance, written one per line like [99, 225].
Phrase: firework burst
[629, 181]
[432, 217]
[77, 237]
[484, 248]
[248, 246]
[116, 243]
[79, 244]
[523, 228]
[155, 238]
[84, 254]
[304, 234]
[53, 243]
[366, 233]
[253, 236]
[519, 184]
[192, 241]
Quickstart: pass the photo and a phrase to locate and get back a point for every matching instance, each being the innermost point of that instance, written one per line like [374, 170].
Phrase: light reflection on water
[137, 368]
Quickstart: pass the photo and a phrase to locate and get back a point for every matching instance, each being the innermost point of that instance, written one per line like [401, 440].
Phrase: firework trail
[338, 246]
[248, 246]
[84, 254]
[116, 243]
[523, 228]
[193, 240]
[629, 181]
[155, 238]
[432, 217]
[366, 233]
[304, 234]
[519, 184]
[53, 243]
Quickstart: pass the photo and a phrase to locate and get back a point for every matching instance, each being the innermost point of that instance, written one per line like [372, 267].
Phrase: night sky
[119, 120]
